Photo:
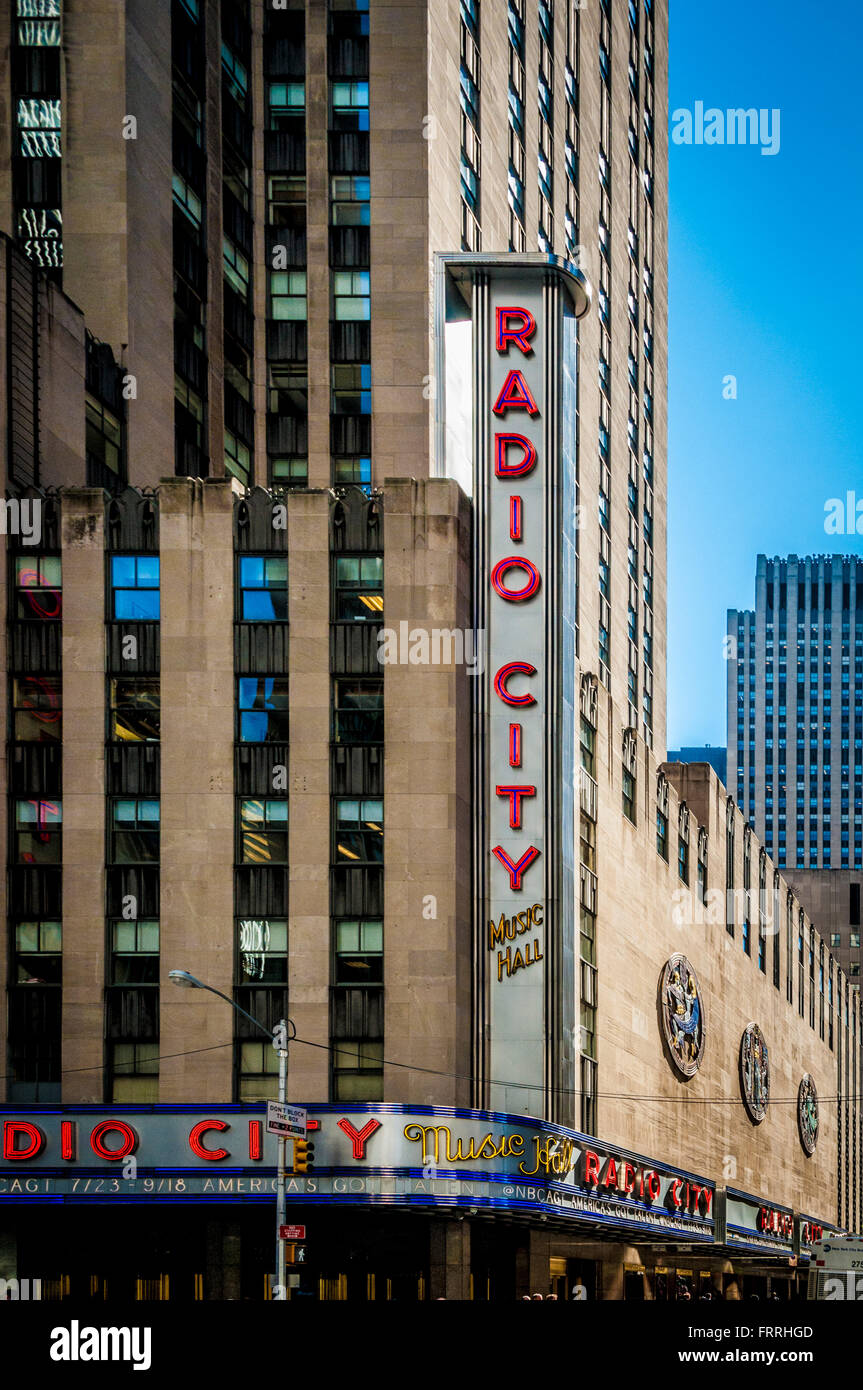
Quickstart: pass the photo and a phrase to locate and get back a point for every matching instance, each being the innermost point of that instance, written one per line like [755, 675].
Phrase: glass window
[263, 588]
[288, 294]
[286, 198]
[135, 1072]
[135, 952]
[352, 389]
[263, 705]
[187, 200]
[358, 1070]
[103, 434]
[349, 200]
[354, 470]
[135, 709]
[37, 709]
[350, 105]
[286, 101]
[359, 711]
[236, 268]
[134, 831]
[359, 587]
[359, 947]
[290, 471]
[264, 831]
[236, 77]
[259, 1066]
[38, 953]
[588, 747]
[359, 831]
[662, 834]
[38, 827]
[262, 945]
[351, 295]
[628, 795]
[135, 587]
[38, 587]
[683, 861]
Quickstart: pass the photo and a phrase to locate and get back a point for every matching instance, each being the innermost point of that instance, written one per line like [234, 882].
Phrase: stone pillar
[197, 786]
[449, 1260]
[309, 791]
[83, 640]
[539, 1256]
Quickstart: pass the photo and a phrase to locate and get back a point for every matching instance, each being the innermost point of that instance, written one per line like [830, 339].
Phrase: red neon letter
[627, 1177]
[504, 335]
[196, 1137]
[254, 1139]
[68, 1139]
[515, 562]
[518, 869]
[128, 1146]
[515, 395]
[591, 1169]
[515, 516]
[359, 1137]
[515, 795]
[674, 1193]
[610, 1179]
[513, 668]
[515, 745]
[653, 1186]
[502, 469]
[11, 1129]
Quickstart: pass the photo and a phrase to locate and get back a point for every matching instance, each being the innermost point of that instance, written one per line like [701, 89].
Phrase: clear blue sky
[765, 284]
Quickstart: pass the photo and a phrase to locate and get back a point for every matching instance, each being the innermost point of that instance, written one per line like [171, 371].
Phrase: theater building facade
[355, 758]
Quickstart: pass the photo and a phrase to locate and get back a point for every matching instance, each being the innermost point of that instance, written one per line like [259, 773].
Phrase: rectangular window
[38, 588]
[38, 826]
[359, 952]
[288, 295]
[629, 795]
[351, 295]
[236, 77]
[587, 738]
[236, 268]
[259, 1069]
[854, 904]
[263, 707]
[358, 1069]
[263, 589]
[854, 941]
[662, 834]
[359, 595]
[350, 105]
[354, 469]
[135, 952]
[286, 199]
[349, 200]
[587, 843]
[262, 946]
[683, 861]
[37, 709]
[290, 470]
[135, 831]
[359, 832]
[187, 200]
[135, 710]
[135, 588]
[285, 102]
[358, 716]
[351, 389]
[38, 953]
[103, 434]
[264, 831]
[135, 1072]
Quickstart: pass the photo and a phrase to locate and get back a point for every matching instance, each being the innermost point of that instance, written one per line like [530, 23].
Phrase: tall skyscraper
[336, 357]
[795, 710]
[264, 185]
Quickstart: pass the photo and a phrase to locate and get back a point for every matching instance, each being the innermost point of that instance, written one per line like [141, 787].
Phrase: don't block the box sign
[508, 327]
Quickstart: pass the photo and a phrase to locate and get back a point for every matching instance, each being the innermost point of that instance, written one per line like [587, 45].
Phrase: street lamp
[280, 1040]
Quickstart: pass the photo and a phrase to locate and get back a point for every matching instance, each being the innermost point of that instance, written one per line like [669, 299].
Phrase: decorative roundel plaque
[682, 1014]
[754, 1072]
[807, 1113]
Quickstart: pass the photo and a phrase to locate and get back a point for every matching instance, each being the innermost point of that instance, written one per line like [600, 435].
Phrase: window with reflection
[359, 831]
[37, 710]
[359, 595]
[134, 831]
[38, 587]
[135, 709]
[263, 589]
[263, 709]
[135, 952]
[135, 588]
[264, 831]
[38, 953]
[38, 831]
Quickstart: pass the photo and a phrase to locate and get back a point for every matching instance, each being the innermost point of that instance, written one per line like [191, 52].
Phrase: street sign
[286, 1120]
[292, 1232]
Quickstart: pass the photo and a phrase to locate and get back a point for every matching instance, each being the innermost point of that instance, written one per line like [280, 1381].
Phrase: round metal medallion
[682, 1014]
[807, 1113]
[754, 1072]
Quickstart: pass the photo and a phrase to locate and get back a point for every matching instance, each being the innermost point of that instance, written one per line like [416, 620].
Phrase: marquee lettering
[518, 868]
[513, 668]
[515, 395]
[504, 469]
[520, 335]
[434, 1150]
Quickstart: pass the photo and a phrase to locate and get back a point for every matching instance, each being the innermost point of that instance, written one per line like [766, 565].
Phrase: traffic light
[304, 1156]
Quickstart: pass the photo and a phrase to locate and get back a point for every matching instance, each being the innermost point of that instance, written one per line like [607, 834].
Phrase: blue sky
[765, 285]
